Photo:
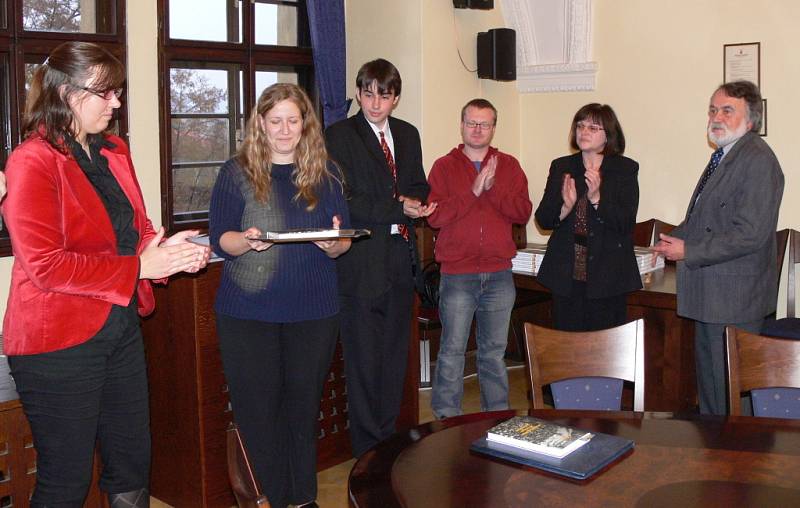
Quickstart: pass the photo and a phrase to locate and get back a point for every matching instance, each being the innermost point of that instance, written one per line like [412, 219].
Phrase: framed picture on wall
[763, 131]
[742, 61]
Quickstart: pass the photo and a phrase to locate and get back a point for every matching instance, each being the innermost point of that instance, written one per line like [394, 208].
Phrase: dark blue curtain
[326, 21]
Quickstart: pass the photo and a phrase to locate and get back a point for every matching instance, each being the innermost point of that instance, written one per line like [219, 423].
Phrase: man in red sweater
[480, 193]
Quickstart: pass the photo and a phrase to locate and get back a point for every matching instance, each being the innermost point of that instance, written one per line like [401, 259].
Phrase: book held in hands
[539, 436]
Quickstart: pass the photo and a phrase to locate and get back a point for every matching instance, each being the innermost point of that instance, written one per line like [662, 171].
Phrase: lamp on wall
[473, 4]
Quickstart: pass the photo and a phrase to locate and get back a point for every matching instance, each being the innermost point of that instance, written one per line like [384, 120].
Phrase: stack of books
[644, 258]
[529, 259]
[565, 451]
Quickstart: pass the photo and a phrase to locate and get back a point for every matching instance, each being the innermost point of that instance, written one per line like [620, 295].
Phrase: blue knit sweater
[288, 282]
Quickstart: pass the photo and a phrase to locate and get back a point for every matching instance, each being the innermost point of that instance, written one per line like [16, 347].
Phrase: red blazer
[66, 272]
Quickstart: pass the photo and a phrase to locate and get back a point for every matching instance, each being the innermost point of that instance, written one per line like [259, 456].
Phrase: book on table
[540, 436]
[583, 461]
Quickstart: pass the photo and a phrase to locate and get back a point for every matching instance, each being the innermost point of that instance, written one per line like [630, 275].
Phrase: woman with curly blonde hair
[277, 305]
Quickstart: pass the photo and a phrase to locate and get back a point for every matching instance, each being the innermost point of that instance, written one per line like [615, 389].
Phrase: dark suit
[729, 275]
[375, 275]
[611, 265]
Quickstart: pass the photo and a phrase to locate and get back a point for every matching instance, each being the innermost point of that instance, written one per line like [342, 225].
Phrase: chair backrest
[520, 235]
[794, 258]
[555, 355]
[240, 473]
[758, 362]
[643, 233]
[661, 227]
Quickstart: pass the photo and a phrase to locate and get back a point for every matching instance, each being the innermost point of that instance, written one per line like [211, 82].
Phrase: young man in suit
[725, 247]
[480, 192]
[381, 160]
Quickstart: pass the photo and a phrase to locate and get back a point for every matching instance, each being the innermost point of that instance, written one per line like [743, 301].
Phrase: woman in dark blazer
[590, 203]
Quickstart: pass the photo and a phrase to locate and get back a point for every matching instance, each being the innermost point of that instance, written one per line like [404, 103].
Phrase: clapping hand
[176, 254]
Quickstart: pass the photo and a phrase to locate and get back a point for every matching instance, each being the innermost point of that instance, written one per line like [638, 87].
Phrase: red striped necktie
[401, 228]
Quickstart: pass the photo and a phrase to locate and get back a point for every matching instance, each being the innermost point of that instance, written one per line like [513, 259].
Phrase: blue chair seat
[588, 393]
[776, 402]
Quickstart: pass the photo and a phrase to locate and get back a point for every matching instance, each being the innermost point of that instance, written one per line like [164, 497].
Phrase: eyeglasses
[104, 94]
[484, 126]
[594, 129]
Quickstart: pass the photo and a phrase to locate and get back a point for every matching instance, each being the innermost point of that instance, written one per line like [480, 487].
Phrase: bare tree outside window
[52, 15]
[200, 137]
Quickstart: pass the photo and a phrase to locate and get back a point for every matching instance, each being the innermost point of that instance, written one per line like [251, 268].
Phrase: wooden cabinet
[189, 403]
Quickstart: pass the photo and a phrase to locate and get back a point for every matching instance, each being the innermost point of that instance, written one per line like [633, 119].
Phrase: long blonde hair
[310, 155]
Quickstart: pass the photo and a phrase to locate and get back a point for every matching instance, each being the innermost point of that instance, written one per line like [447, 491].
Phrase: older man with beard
[725, 247]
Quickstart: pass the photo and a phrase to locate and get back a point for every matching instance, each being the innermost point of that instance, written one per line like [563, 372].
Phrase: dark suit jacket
[363, 270]
[611, 267]
[729, 274]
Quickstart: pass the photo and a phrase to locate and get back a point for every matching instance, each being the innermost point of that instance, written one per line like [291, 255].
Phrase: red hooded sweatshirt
[475, 232]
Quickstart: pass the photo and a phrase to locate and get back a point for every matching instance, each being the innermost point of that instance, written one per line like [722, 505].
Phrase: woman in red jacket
[85, 253]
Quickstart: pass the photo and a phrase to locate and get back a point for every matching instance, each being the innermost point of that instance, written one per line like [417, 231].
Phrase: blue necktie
[713, 163]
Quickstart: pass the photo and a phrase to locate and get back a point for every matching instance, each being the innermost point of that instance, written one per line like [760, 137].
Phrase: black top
[119, 210]
[117, 205]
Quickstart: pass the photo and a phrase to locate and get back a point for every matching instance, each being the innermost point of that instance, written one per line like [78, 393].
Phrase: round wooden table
[680, 461]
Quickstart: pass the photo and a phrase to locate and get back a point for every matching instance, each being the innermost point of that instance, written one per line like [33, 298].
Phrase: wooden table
[670, 383]
[696, 461]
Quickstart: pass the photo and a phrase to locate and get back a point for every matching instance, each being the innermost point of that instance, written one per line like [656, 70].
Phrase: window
[216, 57]
[29, 30]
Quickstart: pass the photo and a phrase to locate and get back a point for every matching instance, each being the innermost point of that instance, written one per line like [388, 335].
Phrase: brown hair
[60, 78]
[381, 72]
[605, 116]
[310, 154]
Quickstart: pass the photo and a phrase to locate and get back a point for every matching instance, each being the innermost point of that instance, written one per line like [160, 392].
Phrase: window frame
[248, 56]
[19, 45]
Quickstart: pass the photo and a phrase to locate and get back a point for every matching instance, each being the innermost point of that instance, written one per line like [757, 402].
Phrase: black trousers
[75, 397]
[577, 313]
[276, 372]
[375, 335]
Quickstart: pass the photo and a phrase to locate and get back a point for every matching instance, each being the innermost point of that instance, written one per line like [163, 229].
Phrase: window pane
[73, 16]
[276, 24]
[191, 191]
[198, 90]
[266, 76]
[3, 19]
[206, 20]
[200, 140]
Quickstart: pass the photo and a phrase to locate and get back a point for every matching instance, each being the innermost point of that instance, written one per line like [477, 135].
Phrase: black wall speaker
[497, 54]
[473, 4]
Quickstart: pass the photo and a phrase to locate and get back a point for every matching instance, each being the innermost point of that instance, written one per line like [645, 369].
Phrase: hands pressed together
[176, 254]
[569, 193]
[485, 178]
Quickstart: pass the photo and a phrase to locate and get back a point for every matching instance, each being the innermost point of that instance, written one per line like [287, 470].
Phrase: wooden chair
[768, 368]
[555, 355]
[661, 227]
[240, 473]
[643, 233]
[789, 326]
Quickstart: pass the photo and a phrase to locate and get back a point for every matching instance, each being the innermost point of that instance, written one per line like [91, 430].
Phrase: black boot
[133, 499]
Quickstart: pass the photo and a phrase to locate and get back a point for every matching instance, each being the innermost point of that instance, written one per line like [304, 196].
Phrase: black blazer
[611, 267]
[352, 144]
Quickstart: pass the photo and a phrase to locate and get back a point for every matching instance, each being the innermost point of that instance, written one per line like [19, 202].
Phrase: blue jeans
[490, 298]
